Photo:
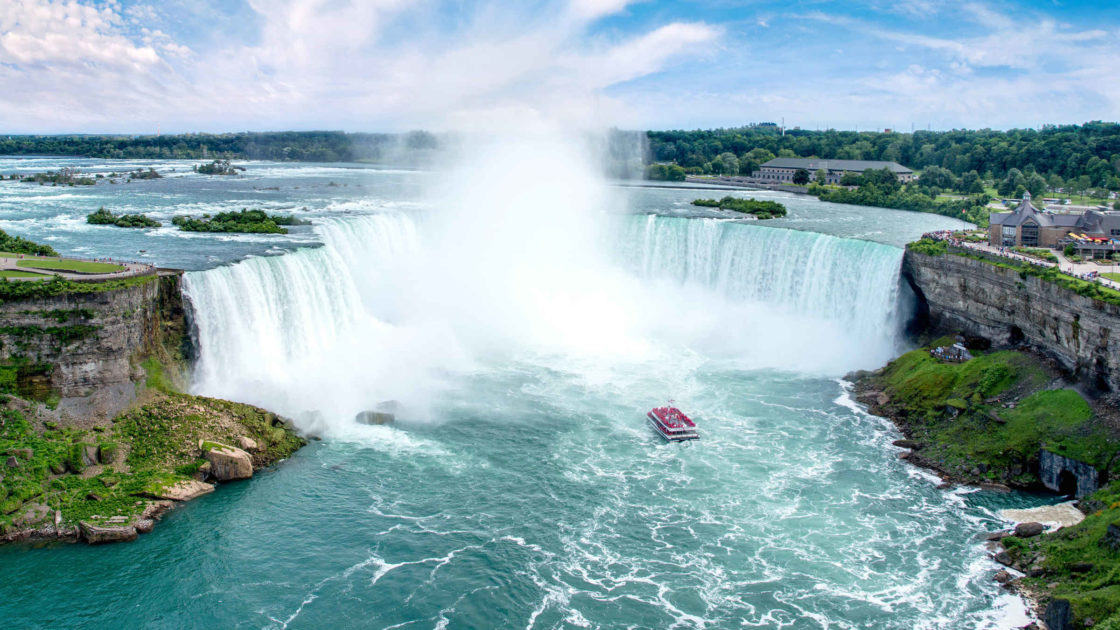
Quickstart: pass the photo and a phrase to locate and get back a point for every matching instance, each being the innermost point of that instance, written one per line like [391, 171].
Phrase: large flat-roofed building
[1027, 226]
[781, 170]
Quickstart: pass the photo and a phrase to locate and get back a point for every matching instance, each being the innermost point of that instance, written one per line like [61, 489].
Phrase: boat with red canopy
[672, 424]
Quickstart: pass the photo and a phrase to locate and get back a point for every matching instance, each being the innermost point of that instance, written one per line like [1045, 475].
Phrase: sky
[391, 65]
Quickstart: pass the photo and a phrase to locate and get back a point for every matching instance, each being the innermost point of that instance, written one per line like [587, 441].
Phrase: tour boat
[672, 424]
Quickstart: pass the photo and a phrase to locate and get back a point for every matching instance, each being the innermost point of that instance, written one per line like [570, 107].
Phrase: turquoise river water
[524, 331]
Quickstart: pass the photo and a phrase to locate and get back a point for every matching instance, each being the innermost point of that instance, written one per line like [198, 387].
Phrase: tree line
[296, 146]
[1059, 155]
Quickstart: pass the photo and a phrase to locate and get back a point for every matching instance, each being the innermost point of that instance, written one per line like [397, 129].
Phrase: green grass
[57, 285]
[1095, 593]
[72, 265]
[12, 273]
[957, 410]
[26, 256]
[1115, 277]
[161, 441]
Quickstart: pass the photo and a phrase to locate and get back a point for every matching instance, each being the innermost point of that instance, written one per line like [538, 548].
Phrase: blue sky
[385, 65]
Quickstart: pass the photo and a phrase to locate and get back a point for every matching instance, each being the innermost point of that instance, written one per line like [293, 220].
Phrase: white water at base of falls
[382, 312]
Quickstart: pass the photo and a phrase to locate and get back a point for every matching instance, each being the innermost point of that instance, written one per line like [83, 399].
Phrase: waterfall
[386, 309]
[849, 282]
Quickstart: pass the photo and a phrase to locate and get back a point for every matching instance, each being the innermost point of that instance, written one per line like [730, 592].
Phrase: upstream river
[524, 325]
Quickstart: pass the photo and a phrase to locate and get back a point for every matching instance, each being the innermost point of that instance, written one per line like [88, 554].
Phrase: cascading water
[324, 333]
[537, 324]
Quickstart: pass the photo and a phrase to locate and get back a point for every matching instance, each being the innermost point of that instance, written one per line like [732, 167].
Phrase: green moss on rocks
[1080, 563]
[986, 419]
[146, 449]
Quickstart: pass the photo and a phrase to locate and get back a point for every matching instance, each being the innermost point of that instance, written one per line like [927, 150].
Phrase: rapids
[525, 330]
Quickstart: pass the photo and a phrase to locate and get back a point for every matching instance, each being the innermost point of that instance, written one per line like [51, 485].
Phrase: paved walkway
[131, 269]
[1081, 271]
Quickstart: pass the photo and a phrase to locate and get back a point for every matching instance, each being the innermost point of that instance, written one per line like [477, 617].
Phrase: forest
[296, 146]
[1060, 155]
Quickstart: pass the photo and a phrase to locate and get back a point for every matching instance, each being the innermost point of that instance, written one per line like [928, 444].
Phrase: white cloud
[48, 33]
[323, 63]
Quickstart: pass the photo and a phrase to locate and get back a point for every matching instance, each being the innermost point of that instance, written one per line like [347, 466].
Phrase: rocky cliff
[82, 352]
[977, 297]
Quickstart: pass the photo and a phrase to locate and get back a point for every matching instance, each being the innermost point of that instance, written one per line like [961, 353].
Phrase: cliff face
[83, 351]
[979, 298]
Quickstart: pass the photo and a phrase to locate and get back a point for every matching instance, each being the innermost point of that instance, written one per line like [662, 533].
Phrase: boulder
[910, 444]
[107, 453]
[145, 525]
[905, 455]
[203, 471]
[996, 536]
[184, 490]
[1003, 558]
[375, 417]
[58, 468]
[155, 509]
[1035, 571]
[96, 535]
[227, 463]
[92, 496]
[1029, 530]
[1003, 577]
[89, 454]
[247, 443]
[12, 462]
[881, 399]
[1112, 536]
[31, 513]
[1058, 615]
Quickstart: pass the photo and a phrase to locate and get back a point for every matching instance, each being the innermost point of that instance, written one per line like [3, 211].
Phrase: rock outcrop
[978, 298]
[184, 490]
[96, 534]
[227, 463]
[1067, 476]
[79, 347]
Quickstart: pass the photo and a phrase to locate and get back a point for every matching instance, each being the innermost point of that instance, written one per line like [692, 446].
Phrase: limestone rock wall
[85, 349]
[1083, 478]
[978, 298]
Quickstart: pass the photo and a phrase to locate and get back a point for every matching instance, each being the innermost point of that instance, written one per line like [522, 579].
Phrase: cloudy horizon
[394, 65]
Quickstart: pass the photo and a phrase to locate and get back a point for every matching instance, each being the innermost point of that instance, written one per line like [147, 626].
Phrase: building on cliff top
[782, 169]
[1027, 226]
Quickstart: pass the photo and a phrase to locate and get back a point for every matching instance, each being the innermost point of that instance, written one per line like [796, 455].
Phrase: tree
[801, 177]
[1014, 180]
[730, 163]
[1055, 182]
[1082, 184]
[1036, 185]
[970, 183]
[851, 179]
[822, 175]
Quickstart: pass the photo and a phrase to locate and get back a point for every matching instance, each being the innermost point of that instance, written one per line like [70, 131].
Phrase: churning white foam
[526, 256]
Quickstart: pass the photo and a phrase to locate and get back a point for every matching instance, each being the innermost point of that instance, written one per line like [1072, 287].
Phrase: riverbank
[1004, 420]
[97, 437]
[111, 482]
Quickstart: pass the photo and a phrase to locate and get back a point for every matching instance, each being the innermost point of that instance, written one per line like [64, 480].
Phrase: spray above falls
[527, 255]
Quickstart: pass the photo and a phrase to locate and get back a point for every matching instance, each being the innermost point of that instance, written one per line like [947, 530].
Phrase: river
[524, 330]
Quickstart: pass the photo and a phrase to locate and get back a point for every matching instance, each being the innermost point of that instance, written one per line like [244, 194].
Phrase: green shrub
[929, 247]
[750, 206]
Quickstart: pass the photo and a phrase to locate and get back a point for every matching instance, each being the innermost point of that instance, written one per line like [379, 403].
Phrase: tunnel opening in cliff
[1067, 483]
